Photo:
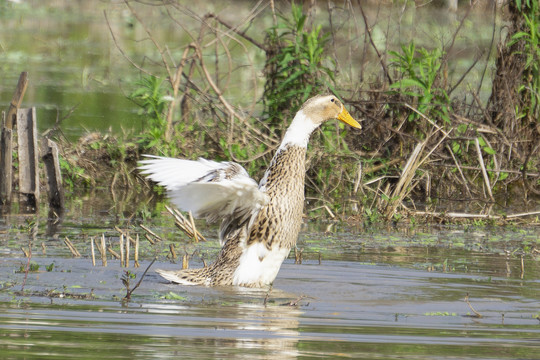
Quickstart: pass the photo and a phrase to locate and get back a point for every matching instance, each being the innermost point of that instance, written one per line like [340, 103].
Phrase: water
[374, 294]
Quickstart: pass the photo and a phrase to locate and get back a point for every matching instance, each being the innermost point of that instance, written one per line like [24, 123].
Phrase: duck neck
[298, 132]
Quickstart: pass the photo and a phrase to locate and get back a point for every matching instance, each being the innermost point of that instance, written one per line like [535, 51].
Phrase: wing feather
[209, 189]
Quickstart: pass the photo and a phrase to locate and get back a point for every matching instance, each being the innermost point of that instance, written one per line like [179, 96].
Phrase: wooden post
[16, 100]
[6, 175]
[6, 147]
[28, 157]
[54, 177]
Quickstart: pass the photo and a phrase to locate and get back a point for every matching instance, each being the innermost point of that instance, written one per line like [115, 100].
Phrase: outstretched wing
[209, 189]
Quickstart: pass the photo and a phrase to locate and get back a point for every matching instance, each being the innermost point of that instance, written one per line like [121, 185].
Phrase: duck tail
[186, 277]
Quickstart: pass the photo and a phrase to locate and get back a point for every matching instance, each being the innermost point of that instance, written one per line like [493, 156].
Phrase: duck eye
[332, 99]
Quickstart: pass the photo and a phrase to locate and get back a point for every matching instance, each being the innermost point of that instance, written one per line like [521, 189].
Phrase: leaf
[455, 147]
[407, 83]
[489, 150]
[173, 296]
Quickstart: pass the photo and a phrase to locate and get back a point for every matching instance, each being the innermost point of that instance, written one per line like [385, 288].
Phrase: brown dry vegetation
[456, 151]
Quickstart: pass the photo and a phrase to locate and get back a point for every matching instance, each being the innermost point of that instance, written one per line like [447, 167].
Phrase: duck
[260, 222]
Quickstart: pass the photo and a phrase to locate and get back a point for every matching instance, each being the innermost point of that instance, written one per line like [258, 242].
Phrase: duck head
[312, 114]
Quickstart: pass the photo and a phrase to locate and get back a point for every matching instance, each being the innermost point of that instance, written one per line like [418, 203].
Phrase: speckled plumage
[261, 222]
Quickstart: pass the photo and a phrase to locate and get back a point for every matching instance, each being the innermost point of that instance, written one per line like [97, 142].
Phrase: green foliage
[487, 149]
[530, 39]
[33, 267]
[73, 175]
[296, 68]
[173, 296]
[419, 71]
[440, 313]
[151, 97]
[127, 277]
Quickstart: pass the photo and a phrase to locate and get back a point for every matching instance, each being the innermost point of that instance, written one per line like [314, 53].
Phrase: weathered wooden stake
[6, 149]
[16, 100]
[54, 177]
[28, 157]
[6, 136]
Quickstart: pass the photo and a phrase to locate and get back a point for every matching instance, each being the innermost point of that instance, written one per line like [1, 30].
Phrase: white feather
[207, 188]
[299, 131]
[173, 173]
[258, 265]
[172, 276]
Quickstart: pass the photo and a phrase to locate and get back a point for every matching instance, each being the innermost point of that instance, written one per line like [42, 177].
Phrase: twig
[130, 291]
[474, 216]
[29, 256]
[483, 167]
[465, 167]
[149, 239]
[125, 233]
[151, 233]
[459, 170]
[427, 119]
[71, 247]
[120, 49]
[183, 224]
[192, 222]
[239, 32]
[381, 59]
[405, 179]
[114, 253]
[294, 302]
[478, 315]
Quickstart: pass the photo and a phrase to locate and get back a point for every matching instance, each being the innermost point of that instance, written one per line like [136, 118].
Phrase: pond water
[359, 293]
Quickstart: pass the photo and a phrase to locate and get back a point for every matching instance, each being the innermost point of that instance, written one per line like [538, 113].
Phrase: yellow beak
[348, 119]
